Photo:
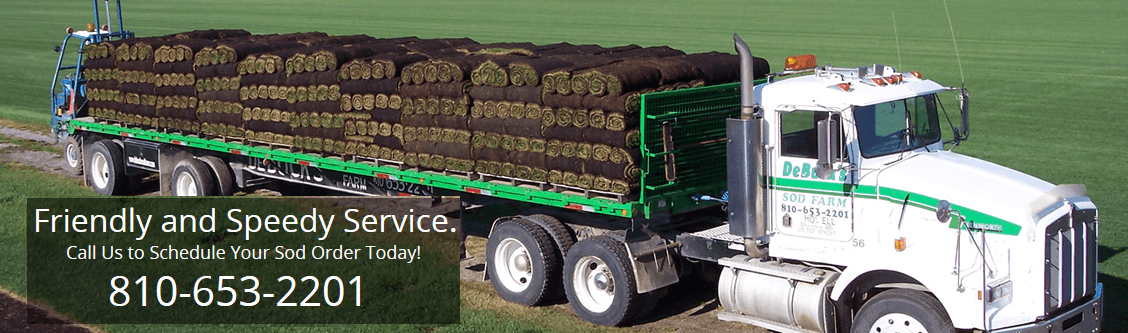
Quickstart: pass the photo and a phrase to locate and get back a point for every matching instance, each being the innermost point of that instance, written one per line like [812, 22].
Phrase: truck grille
[1071, 259]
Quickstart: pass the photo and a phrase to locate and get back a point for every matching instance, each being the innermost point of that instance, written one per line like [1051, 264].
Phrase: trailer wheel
[224, 177]
[192, 178]
[106, 171]
[522, 262]
[72, 153]
[559, 232]
[902, 310]
[599, 284]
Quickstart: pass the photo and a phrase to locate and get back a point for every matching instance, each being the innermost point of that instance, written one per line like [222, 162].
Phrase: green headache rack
[683, 146]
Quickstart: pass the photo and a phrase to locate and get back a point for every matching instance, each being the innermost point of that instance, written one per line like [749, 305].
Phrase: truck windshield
[897, 126]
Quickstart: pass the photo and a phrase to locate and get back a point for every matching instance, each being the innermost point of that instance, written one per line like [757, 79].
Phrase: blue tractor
[68, 87]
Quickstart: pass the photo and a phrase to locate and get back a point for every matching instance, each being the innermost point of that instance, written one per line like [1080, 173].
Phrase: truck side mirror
[943, 211]
[963, 131]
[828, 147]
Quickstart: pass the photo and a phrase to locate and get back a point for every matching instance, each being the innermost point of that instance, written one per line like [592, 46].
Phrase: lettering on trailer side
[353, 182]
[333, 179]
[288, 170]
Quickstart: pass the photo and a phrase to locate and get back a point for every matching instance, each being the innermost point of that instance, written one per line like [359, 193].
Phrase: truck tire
[522, 262]
[224, 177]
[559, 232]
[106, 168]
[902, 310]
[72, 154]
[599, 284]
[192, 178]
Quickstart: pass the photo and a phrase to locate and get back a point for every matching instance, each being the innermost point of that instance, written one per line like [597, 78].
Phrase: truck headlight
[999, 291]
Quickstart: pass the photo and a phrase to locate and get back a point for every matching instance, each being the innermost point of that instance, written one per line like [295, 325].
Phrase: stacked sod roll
[558, 114]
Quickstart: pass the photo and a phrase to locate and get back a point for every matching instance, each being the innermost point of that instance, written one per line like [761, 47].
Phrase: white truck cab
[873, 194]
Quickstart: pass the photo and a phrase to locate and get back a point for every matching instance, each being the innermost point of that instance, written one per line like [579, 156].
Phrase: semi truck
[826, 197]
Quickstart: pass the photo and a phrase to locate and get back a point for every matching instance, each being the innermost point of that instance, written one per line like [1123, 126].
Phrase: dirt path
[689, 306]
[16, 315]
[26, 135]
[44, 161]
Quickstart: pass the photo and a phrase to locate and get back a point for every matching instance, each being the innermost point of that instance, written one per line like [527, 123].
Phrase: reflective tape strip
[478, 191]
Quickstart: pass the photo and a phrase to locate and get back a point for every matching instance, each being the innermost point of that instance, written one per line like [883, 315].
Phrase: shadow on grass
[1116, 302]
[693, 292]
[1115, 291]
[1105, 252]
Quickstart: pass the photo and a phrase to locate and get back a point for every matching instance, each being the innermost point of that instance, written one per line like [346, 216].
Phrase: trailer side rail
[507, 190]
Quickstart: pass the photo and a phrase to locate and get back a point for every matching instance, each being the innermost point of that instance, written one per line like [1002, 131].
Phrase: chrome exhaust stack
[745, 158]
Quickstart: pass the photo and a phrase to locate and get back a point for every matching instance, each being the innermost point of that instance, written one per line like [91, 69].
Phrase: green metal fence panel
[683, 146]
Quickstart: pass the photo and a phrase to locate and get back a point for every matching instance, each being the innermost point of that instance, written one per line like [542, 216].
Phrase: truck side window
[799, 134]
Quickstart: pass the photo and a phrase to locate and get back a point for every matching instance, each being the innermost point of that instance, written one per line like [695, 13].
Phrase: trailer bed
[682, 142]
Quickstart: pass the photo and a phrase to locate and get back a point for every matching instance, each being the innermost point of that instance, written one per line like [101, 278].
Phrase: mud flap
[651, 260]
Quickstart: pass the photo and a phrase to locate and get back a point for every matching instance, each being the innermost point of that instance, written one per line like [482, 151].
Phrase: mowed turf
[1047, 78]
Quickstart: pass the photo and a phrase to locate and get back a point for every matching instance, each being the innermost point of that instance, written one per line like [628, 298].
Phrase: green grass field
[1046, 77]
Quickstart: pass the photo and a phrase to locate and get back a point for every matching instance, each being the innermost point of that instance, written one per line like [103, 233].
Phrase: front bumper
[1083, 318]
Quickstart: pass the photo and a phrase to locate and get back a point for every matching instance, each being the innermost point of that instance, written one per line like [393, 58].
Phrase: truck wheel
[72, 153]
[522, 262]
[224, 177]
[106, 171]
[192, 178]
[559, 232]
[902, 310]
[599, 284]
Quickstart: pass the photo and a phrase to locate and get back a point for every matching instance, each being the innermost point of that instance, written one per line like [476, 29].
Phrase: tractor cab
[68, 89]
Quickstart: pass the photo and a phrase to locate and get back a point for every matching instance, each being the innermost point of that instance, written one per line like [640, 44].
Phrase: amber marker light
[899, 244]
[800, 62]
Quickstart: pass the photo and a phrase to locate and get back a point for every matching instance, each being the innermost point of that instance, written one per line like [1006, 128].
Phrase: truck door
[804, 205]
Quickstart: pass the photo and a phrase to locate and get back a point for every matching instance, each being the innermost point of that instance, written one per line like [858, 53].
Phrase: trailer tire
[106, 168]
[224, 177]
[599, 283]
[192, 178]
[72, 154]
[903, 309]
[522, 262]
[559, 232]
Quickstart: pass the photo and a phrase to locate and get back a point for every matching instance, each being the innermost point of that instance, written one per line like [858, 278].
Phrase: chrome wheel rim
[593, 283]
[513, 264]
[897, 323]
[71, 155]
[186, 185]
[101, 170]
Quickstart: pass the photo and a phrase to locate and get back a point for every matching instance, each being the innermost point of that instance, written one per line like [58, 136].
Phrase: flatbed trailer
[675, 168]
